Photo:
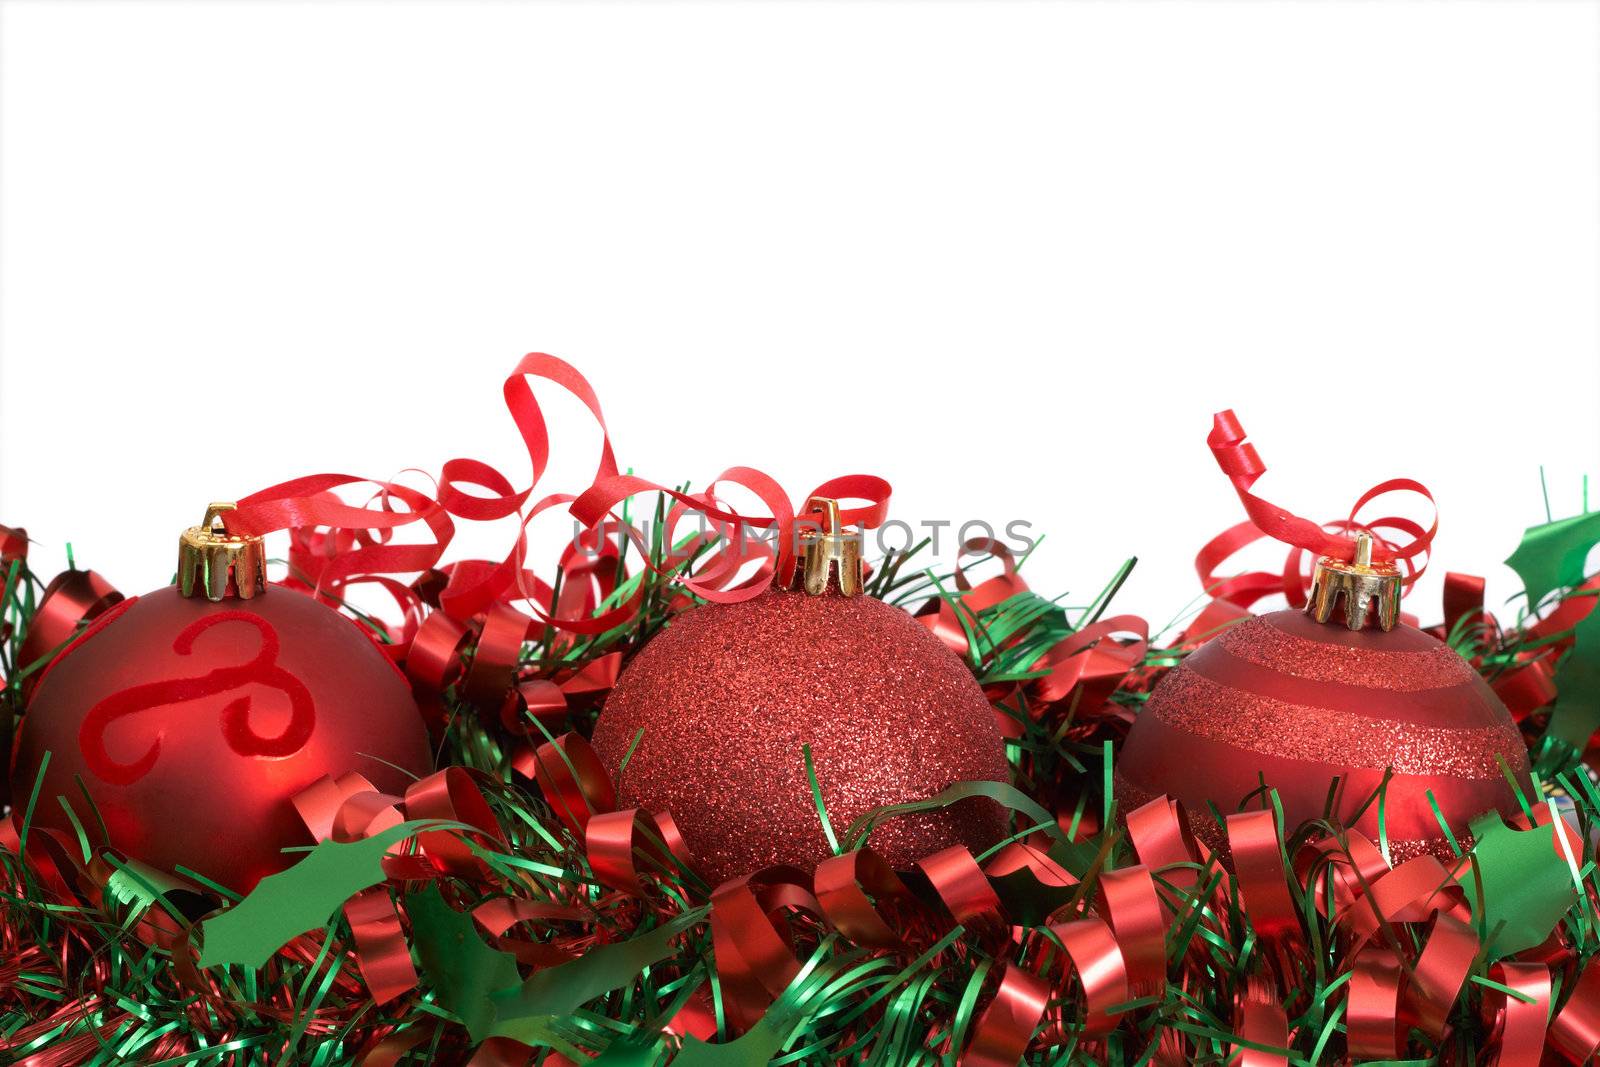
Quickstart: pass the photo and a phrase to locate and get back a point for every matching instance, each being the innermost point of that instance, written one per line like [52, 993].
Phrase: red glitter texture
[728, 694]
[1297, 703]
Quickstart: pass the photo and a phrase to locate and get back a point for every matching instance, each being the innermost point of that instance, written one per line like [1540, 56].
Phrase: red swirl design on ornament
[236, 728]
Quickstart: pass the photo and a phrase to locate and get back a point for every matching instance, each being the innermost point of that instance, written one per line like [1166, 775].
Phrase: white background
[1009, 256]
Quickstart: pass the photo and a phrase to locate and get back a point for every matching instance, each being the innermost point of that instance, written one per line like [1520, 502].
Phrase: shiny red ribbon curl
[1389, 995]
[71, 599]
[350, 809]
[335, 545]
[1243, 465]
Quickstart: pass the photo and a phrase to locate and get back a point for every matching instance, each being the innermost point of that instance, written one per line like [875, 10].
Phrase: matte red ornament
[727, 695]
[1297, 702]
[191, 724]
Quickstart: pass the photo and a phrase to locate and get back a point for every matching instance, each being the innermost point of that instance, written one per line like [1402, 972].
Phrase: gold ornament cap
[828, 555]
[1361, 582]
[216, 564]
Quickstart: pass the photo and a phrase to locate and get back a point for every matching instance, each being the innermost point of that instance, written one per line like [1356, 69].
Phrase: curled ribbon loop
[1009, 1022]
[1243, 465]
[71, 599]
[614, 839]
[574, 781]
[1260, 1019]
[754, 958]
[842, 885]
[1129, 901]
[1095, 958]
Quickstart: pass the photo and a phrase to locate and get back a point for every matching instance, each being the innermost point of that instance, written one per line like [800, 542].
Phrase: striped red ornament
[1298, 704]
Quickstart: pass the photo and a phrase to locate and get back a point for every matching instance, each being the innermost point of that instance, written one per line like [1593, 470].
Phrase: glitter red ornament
[1296, 699]
[181, 724]
[728, 694]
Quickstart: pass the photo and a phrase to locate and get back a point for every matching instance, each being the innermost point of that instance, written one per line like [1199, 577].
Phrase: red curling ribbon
[361, 542]
[334, 544]
[1215, 617]
[318, 804]
[1019, 855]
[961, 887]
[1575, 1031]
[494, 661]
[434, 661]
[595, 503]
[499, 914]
[328, 560]
[1411, 892]
[1131, 906]
[1258, 866]
[72, 598]
[754, 960]
[1003, 1030]
[13, 545]
[573, 780]
[1518, 1026]
[366, 813]
[1163, 841]
[391, 1049]
[1243, 466]
[613, 839]
[1373, 1008]
[1353, 866]
[1527, 688]
[381, 948]
[532, 699]
[990, 591]
[1567, 614]
[1092, 949]
[450, 795]
[940, 616]
[594, 680]
[1091, 659]
[695, 1017]
[842, 884]
[1242, 589]
[1258, 1017]
[1463, 599]
[1439, 973]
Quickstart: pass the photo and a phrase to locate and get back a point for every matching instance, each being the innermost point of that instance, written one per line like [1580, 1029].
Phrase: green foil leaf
[1552, 556]
[287, 904]
[1576, 714]
[463, 970]
[1527, 884]
[524, 1012]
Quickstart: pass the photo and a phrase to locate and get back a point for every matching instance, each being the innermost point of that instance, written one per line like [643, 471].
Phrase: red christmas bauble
[727, 695]
[192, 724]
[1296, 702]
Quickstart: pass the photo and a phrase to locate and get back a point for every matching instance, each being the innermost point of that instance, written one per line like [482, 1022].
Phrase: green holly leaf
[1552, 556]
[1576, 715]
[287, 904]
[525, 1011]
[763, 1041]
[1527, 884]
[462, 968]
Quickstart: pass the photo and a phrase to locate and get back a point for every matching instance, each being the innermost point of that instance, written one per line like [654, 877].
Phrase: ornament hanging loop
[216, 564]
[1361, 582]
[830, 557]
